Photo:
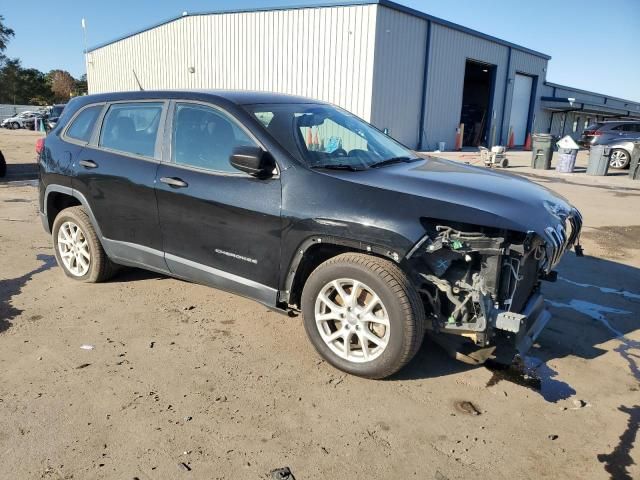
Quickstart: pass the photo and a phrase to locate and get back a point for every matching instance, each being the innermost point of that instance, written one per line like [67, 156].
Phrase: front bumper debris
[527, 325]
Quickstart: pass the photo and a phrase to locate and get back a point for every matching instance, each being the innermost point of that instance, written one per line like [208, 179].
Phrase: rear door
[116, 174]
[220, 226]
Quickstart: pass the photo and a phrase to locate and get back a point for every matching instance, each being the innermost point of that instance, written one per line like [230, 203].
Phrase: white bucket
[441, 146]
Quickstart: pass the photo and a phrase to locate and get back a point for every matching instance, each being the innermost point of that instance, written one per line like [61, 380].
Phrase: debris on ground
[282, 474]
[183, 466]
[86, 346]
[552, 437]
[464, 406]
[84, 365]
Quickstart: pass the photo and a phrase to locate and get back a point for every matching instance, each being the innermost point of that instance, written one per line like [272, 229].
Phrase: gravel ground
[184, 381]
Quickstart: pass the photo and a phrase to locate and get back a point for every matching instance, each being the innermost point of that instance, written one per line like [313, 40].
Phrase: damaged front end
[483, 284]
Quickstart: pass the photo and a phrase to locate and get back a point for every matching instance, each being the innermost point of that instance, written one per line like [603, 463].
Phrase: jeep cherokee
[301, 205]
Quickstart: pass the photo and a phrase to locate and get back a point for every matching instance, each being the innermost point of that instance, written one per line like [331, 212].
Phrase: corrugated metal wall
[398, 74]
[368, 59]
[323, 53]
[449, 51]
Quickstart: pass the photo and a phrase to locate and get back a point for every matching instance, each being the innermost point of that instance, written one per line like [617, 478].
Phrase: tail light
[40, 146]
[593, 133]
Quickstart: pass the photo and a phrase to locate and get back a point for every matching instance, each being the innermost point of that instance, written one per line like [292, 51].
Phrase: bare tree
[62, 84]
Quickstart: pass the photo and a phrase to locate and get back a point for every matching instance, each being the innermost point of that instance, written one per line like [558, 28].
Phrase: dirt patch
[614, 241]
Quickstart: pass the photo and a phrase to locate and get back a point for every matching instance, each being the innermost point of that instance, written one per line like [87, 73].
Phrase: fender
[331, 240]
[73, 193]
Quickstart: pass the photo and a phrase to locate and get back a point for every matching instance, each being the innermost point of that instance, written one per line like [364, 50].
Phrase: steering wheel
[339, 152]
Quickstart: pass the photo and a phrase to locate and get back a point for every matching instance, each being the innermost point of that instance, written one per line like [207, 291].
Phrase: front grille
[559, 239]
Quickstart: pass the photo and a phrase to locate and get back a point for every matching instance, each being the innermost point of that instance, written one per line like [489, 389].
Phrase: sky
[594, 44]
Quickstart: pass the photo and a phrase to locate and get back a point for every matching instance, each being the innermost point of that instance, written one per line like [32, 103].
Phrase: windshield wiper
[338, 166]
[391, 161]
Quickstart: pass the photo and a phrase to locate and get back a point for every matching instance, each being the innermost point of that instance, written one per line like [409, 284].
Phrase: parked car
[621, 152]
[300, 205]
[54, 115]
[21, 120]
[601, 133]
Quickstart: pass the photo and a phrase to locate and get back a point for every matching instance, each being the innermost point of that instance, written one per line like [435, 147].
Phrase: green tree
[5, 35]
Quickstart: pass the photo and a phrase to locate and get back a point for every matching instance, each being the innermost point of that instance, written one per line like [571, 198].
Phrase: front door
[219, 226]
[116, 175]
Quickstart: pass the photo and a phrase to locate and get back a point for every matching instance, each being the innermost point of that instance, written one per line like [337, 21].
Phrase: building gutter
[425, 78]
[504, 98]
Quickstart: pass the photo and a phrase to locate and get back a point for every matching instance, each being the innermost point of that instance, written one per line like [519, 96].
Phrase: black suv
[303, 206]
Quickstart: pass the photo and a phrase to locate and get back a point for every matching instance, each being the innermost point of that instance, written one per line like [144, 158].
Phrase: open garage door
[520, 106]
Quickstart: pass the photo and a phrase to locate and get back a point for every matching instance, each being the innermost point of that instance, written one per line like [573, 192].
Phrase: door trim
[214, 277]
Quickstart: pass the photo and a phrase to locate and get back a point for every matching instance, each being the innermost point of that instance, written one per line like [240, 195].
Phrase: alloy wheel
[74, 249]
[352, 320]
[619, 159]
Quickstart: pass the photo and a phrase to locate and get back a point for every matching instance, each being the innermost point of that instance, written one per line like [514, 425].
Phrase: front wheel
[619, 159]
[15, 125]
[77, 248]
[363, 315]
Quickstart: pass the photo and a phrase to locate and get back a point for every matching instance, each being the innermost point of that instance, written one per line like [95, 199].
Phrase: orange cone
[511, 140]
[316, 142]
[309, 137]
[527, 144]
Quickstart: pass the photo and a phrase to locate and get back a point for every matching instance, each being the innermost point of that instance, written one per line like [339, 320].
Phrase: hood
[449, 190]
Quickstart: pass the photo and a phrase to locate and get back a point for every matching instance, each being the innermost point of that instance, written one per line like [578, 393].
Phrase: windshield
[323, 136]
[56, 111]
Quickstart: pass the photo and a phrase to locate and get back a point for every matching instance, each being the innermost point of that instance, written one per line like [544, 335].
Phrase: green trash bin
[634, 165]
[541, 151]
[599, 158]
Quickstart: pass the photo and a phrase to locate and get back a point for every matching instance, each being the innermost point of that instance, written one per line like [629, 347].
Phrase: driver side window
[330, 137]
[204, 137]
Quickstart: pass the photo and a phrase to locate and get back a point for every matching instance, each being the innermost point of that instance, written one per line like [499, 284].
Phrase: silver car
[621, 152]
[602, 133]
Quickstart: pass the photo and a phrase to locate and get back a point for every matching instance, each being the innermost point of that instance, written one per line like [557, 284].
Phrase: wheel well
[56, 202]
[315, 255]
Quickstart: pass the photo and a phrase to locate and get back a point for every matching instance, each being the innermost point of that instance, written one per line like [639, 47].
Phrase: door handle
[174, 182]
[88, 164]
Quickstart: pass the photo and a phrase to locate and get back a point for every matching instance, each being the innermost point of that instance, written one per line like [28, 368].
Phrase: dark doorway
[477, 97]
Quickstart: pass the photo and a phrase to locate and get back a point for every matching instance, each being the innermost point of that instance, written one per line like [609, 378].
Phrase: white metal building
[416, 75]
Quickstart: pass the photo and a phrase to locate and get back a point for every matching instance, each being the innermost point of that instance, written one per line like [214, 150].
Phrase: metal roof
[347, 3]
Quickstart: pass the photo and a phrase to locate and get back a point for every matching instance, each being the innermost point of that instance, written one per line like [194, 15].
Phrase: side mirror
[253, 160]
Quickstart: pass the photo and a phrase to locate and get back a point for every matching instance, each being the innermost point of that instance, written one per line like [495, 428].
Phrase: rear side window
[204, 137]
[82, 126]
[132, 128]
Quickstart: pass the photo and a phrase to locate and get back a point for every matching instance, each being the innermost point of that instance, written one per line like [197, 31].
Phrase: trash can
[567, 153]
[541, 151]
[634, 165]
[599, 158]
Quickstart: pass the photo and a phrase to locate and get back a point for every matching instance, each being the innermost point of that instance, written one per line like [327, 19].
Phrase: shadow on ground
[13, 286]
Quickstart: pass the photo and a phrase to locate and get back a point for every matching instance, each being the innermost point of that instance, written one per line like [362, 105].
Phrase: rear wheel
[362, 314]
[619, 158]
[77, 248]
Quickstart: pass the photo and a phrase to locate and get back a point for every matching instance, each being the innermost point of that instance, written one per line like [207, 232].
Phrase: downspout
[504, 99]
[423, 106]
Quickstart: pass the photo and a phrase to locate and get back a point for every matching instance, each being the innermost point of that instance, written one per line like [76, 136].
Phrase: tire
[3, 166]
[400, 307]
[15, 126]
[620, 159]
[99, 268]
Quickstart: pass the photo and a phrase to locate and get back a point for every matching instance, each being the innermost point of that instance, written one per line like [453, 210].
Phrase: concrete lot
[190, 382]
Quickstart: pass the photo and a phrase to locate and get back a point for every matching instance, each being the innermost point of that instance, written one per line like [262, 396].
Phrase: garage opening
[477, 97]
